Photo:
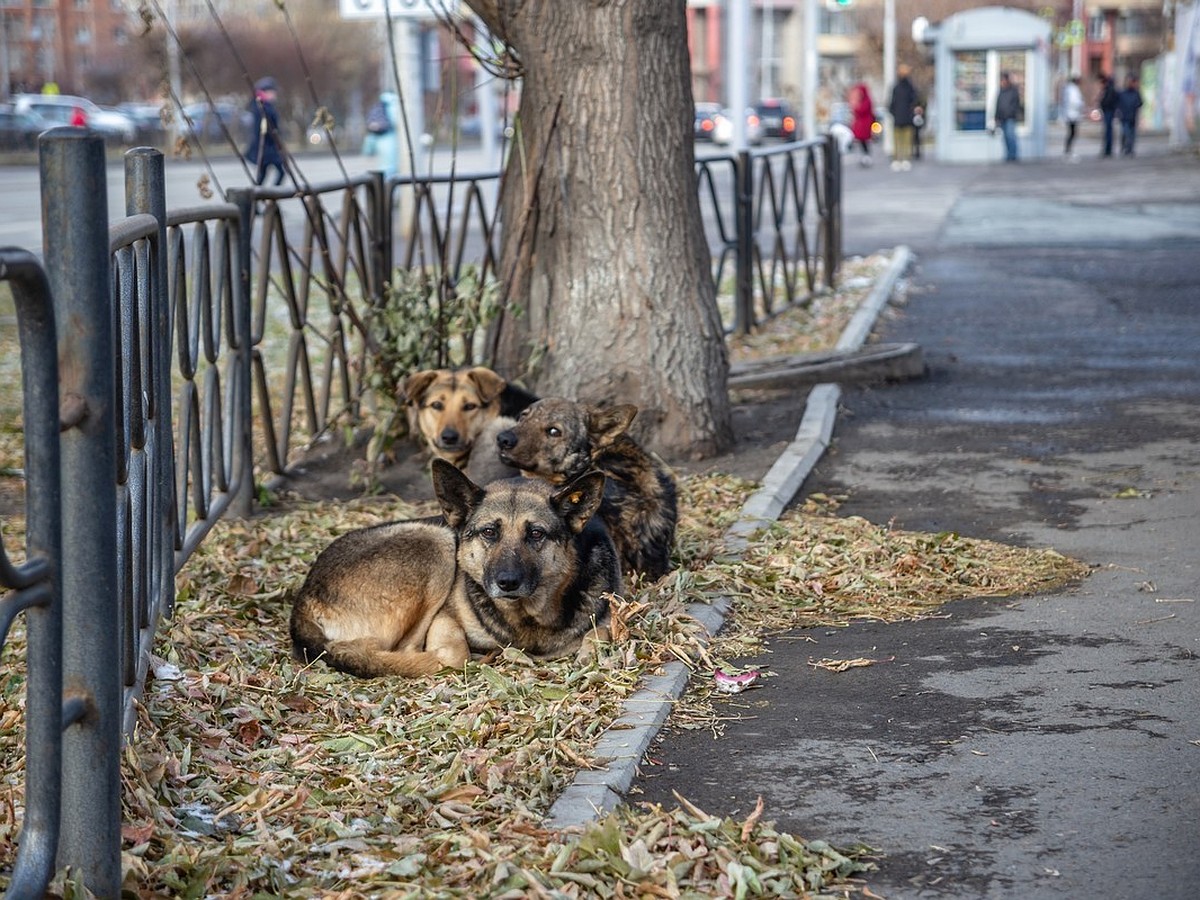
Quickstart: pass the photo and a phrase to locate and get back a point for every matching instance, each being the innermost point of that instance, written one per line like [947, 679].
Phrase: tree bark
[603, 248]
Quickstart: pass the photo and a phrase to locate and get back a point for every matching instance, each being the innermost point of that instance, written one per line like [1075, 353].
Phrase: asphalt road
[1037, 747]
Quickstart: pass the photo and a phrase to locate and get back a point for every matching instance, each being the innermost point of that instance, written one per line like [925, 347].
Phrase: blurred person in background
[1129, 102]
[1108, 111]
[1072, 110]
[862, 119]
[902, 106]
[1009, 110]
[265, 150]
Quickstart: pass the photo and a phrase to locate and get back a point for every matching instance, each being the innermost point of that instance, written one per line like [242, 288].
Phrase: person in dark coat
[1009, 110]
[265, 150]
[902, 106]
[1129, 101]
[1108, 110]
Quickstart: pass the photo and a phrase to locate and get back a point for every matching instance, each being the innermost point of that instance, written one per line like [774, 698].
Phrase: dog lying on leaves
[520, 563]
[448, 409]
[559, 439]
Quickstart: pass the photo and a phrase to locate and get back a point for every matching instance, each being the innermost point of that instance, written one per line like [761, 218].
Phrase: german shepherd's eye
[535, 533]
[489, 532]
[554, 431]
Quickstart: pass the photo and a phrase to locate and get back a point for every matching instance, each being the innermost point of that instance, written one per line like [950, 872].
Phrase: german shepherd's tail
[365, 657]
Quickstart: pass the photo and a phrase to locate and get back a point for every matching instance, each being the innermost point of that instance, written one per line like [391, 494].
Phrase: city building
[74, 44]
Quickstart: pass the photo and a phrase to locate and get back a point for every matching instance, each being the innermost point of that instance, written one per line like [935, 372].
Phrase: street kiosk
[971, 49]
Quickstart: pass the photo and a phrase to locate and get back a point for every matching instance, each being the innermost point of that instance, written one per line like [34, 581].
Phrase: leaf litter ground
[252, 775]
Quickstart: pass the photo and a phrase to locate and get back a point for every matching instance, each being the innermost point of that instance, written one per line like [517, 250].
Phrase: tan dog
[450, 408]
[520, 563]
[559, 439]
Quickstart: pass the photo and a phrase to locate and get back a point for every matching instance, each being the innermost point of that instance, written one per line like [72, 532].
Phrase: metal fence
[169, 356]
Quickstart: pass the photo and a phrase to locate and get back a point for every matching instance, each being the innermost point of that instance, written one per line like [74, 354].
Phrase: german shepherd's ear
[457, 494]
[579, 500]
[416, 384]
[487, 382]
[607, 423]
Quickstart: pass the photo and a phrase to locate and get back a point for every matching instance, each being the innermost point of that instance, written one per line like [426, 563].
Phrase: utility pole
[808, 107]
[889, 64]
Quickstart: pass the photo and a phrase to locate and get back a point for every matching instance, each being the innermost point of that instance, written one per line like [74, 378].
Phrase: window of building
[977, 81]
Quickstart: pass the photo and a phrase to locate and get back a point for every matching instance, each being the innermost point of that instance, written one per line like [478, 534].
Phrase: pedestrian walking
[862, 122]
[902, 106]
[382, 139]
[1009, 109]
[1108, 110]
[1072, 110]
[265, 149]
[1129, 102]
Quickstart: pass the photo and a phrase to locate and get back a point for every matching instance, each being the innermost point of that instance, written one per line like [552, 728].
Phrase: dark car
[147, 119]
[210, 123]
[20, 130]
[778, 119]
[708, 117]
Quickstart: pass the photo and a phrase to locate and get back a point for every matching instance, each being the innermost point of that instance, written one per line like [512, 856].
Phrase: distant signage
[399, 9]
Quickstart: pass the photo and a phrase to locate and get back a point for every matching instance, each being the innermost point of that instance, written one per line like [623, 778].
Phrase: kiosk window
[970, 90]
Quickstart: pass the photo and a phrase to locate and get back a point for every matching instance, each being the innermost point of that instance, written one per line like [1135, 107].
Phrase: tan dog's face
[558, 439]
[450, 407]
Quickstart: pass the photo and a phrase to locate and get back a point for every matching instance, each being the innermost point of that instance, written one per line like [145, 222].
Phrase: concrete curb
[595, 792]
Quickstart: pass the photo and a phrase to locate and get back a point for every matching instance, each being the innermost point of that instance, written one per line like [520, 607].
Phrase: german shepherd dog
[520, 563]
[559, 439]
[448, 409]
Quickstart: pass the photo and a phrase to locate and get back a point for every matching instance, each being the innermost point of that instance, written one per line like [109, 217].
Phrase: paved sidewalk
[1031, 747]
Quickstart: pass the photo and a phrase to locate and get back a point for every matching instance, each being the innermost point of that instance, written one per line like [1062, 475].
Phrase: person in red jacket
[862, 112]
[78, 117]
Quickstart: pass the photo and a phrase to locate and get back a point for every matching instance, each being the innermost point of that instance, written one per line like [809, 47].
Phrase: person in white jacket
[1072, 110]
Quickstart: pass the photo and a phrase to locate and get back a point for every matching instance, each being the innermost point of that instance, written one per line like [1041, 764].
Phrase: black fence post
[833, 211]
[76, 248]
[146, 192]
[743, 217]
[243, 502]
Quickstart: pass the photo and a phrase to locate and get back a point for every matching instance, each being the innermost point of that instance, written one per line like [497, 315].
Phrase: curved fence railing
[772, 216]
[197, 349]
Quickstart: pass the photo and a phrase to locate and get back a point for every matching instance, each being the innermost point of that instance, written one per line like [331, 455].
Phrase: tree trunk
[603, 247]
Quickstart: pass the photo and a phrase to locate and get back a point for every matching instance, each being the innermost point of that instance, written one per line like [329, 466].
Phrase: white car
[723, 132]
[59, 109]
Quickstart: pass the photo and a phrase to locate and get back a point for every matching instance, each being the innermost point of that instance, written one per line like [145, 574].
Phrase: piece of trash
[165, 671]
[735, 683]
[841, 665]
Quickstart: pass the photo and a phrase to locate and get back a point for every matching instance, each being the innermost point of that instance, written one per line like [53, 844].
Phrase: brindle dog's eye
[554, 431]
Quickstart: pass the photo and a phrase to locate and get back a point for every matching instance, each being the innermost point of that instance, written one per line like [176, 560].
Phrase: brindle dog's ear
[457, 494]
[579, 500]
[416, 384]
[607, 423]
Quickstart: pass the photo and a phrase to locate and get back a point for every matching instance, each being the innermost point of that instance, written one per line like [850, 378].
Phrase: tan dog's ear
[457, 494]
[607, 423]
[487, 382]
[579, 500]
[416, 384]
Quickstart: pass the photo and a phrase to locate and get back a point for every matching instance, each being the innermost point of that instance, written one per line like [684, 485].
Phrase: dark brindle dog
[520, 563]
[560, 439]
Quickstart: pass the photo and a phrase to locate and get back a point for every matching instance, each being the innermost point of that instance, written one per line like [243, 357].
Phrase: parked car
[59, 109]
[19, 130]
[147, 120]
[778, 119]
[705, 121]
[723, 132]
